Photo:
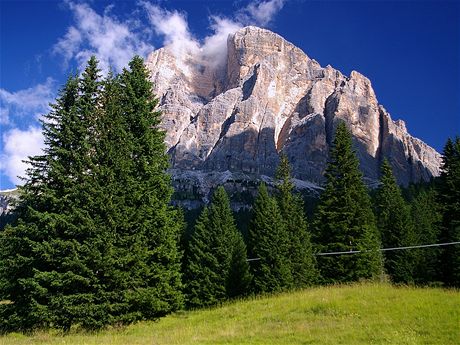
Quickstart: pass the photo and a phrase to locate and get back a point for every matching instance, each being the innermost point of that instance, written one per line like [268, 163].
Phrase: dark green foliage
[426, 218]
[95, 242]
[201, 279]
[39, 252]
[239, 278]
[396, 228]
[269, 243]
[344, 219]
[449, 200]
[153, 227]
[291, 207]
[216, 266]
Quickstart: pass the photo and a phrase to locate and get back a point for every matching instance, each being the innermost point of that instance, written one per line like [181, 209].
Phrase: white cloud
[4, 115]
[260, 12]
[17, 146]
[215, 46]
[69, 45]
[173, 26]
[32, 101]
[113, 42]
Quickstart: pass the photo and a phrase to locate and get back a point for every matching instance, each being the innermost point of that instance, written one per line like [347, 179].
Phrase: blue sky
[410, 50]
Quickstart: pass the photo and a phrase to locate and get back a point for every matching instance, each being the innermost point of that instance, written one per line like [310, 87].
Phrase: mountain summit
[237, 109]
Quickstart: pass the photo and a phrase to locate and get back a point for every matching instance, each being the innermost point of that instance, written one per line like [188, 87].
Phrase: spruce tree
[426, 218]
[216, 267]
[95, 242]
[44, 255]
[344, 220]
[269, 246]
[148, 238]
[291, 206]
[396, 228]
[200, 271]
[449, 200]
[239, 277]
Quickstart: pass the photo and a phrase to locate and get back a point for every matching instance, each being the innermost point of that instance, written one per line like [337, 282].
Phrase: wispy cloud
[260, 12]
[174, 28]
[113, 41]
[17, 146]
[29, 102]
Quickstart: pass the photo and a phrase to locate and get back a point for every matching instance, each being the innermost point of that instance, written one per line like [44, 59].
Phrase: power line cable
[388, 249]
[380, 249]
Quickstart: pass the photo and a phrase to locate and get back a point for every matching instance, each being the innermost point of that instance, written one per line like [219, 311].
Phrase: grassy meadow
[349, 314]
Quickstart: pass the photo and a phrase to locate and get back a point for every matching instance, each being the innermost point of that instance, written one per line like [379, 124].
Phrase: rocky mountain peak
[263, 96]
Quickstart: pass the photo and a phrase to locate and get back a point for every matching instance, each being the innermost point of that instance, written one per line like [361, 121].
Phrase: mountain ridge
[269, 97]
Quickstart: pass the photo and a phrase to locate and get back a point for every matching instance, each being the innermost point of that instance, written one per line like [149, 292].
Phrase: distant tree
[269, 246]
[291, 207]
[396, 227]
[344, 219]
[239, 277]
[449, 200]
[216, 267]
[426, 218]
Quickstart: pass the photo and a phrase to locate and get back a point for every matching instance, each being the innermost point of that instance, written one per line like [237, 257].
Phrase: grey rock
[268, 98]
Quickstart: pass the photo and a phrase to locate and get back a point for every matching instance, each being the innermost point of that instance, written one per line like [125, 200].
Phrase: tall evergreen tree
[426, 218]
[269, 245]
[291, 206]
[449, 199]
[95, 241]
[396, 227]
[45, 254]
[216, 267]
[149, 238]
[344, 219]
[239, 277]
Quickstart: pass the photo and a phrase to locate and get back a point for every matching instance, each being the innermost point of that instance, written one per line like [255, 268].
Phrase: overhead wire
[380, 249]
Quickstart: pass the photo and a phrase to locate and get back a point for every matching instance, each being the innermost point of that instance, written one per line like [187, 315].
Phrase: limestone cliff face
[270, 97]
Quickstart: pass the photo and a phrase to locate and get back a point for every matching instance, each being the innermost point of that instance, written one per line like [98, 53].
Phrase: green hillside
[355, 314]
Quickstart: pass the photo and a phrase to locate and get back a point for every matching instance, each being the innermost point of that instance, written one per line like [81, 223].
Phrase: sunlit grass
[355, 314]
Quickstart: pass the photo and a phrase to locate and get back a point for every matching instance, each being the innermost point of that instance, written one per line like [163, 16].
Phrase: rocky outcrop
[8, 199]
[270, 97]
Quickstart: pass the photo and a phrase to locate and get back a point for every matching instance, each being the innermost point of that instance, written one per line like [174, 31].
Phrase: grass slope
[355, 314]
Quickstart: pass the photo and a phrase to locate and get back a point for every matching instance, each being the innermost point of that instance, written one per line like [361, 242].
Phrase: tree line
[95, 241]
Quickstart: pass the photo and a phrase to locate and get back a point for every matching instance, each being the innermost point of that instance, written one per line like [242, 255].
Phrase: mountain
[236, 113]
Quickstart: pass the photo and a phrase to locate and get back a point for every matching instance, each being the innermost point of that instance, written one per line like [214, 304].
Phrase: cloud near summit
[173, 27]
[115, 41]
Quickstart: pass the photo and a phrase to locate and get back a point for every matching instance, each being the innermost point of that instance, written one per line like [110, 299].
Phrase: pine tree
[344, 219]
[396, 228]
[269, 244]
[449, 200]
[216, 266]
[291, 206]
[95, 242]
[239, 278]
[426, 218]
[148, 239]
[43, 271]
[201, 278]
